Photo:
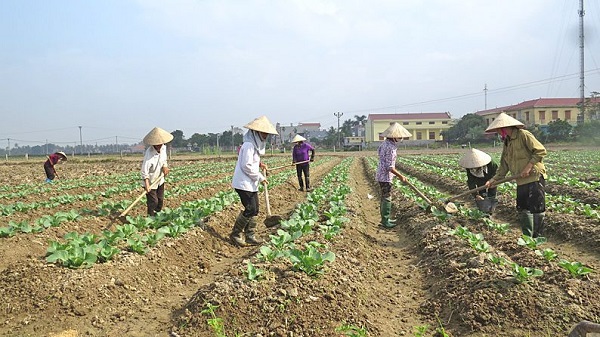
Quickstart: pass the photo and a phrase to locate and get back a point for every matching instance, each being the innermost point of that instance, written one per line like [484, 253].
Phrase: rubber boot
[236, 234]
[49, 181]
[251, 239]
[538, 224]
[308, 188]
[386, 208]
[301, 184]
[526, 219]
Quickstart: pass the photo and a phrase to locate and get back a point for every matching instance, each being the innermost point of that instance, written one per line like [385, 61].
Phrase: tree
[559, 130]
[588, 132]
[178, 139]
[470, 127]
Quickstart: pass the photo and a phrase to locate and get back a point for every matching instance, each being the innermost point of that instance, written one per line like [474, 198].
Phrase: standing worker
[480, 168]
[300, 154]
[246, 178]
[386, 170]
[53, 160]
[155, 168]
[522, 154]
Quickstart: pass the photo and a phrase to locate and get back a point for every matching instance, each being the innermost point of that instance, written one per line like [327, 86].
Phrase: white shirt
[153, 164]
[247, 174]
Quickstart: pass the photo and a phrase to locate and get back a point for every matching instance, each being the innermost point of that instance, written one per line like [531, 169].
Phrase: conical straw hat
[62, 154]
[298, 138]
[503, 121]
[474, 158]
[262, 124]
[157, 136]
[396, 131]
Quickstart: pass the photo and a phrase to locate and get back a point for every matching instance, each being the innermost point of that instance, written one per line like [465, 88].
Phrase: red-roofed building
[540, 111]
[425, 126]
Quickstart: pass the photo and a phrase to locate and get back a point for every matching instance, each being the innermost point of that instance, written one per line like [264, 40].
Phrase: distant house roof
[536, 103]
[409, 116]
[309, 124]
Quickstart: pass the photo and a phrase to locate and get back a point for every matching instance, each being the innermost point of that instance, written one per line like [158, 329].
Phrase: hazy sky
[117, 68]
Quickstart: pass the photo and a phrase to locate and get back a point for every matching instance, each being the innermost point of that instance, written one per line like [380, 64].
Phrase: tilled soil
[391, 282]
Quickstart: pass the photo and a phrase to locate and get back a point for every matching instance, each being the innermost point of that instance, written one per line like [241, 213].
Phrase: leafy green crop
[575, 268]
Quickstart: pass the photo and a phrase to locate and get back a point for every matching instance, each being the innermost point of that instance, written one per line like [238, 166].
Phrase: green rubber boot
[538, 224]
[386, 209]
[526, 219]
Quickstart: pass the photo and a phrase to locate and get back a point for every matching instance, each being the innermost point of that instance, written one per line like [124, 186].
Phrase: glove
[312, 158]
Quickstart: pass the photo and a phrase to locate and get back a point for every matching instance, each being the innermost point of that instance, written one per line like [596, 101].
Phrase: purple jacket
[300, 152]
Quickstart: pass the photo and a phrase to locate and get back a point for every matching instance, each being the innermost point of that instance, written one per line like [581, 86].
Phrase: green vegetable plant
[215, 323]
[351, 330]
[524, 274]
[253, 273]
[575, 268]
[310, 260]
[531, 243]
[548, 254]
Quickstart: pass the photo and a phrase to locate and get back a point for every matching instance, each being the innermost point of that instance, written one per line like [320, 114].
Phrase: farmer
[480, 168]
[247, 176]
[53, 159]
[155, 168]
[386, 170]
[522, 154]
[300, 154]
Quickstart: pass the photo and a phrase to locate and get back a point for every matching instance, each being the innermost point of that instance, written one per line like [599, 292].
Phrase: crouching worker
[386, 170]
[53, 160]
[155, 169]
[246, 177]
[480, 168]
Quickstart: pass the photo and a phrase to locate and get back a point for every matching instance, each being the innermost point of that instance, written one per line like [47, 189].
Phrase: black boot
[538, 224]
[301, 184]
[236, 234]
[249, 231]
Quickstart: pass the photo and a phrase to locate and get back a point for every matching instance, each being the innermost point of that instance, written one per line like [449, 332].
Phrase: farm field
[328, 270]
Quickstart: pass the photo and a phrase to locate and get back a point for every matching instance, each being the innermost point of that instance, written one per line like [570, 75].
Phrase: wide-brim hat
[396, 130]
[298, 138]
[262, 124]
[503, 121]
[62, 154]
[474, 158]
[157, 136]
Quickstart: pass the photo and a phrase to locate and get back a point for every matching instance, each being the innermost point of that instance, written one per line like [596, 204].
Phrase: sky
[106, 71]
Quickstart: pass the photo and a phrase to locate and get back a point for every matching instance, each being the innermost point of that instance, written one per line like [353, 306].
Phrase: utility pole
[338, 115]
[485, 95]
[8, 149]
[117, 143]
[80, 141]
[232, 144]
[581, 117]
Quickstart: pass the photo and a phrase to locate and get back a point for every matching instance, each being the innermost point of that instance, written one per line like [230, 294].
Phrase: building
[425, 127]
[542, 111]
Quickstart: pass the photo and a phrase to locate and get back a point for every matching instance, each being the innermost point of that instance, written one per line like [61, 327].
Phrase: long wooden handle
[418, 192]
[141, 196]
[480, 188]
[292, 164]
[267, 196]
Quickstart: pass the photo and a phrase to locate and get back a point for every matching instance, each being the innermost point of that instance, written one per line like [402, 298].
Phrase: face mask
[503, 133]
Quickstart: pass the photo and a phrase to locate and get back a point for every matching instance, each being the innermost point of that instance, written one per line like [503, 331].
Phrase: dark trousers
[303, 169]
[49, 170]
[249, 201]
[155, 199]
[532, 197]
[386, 190]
